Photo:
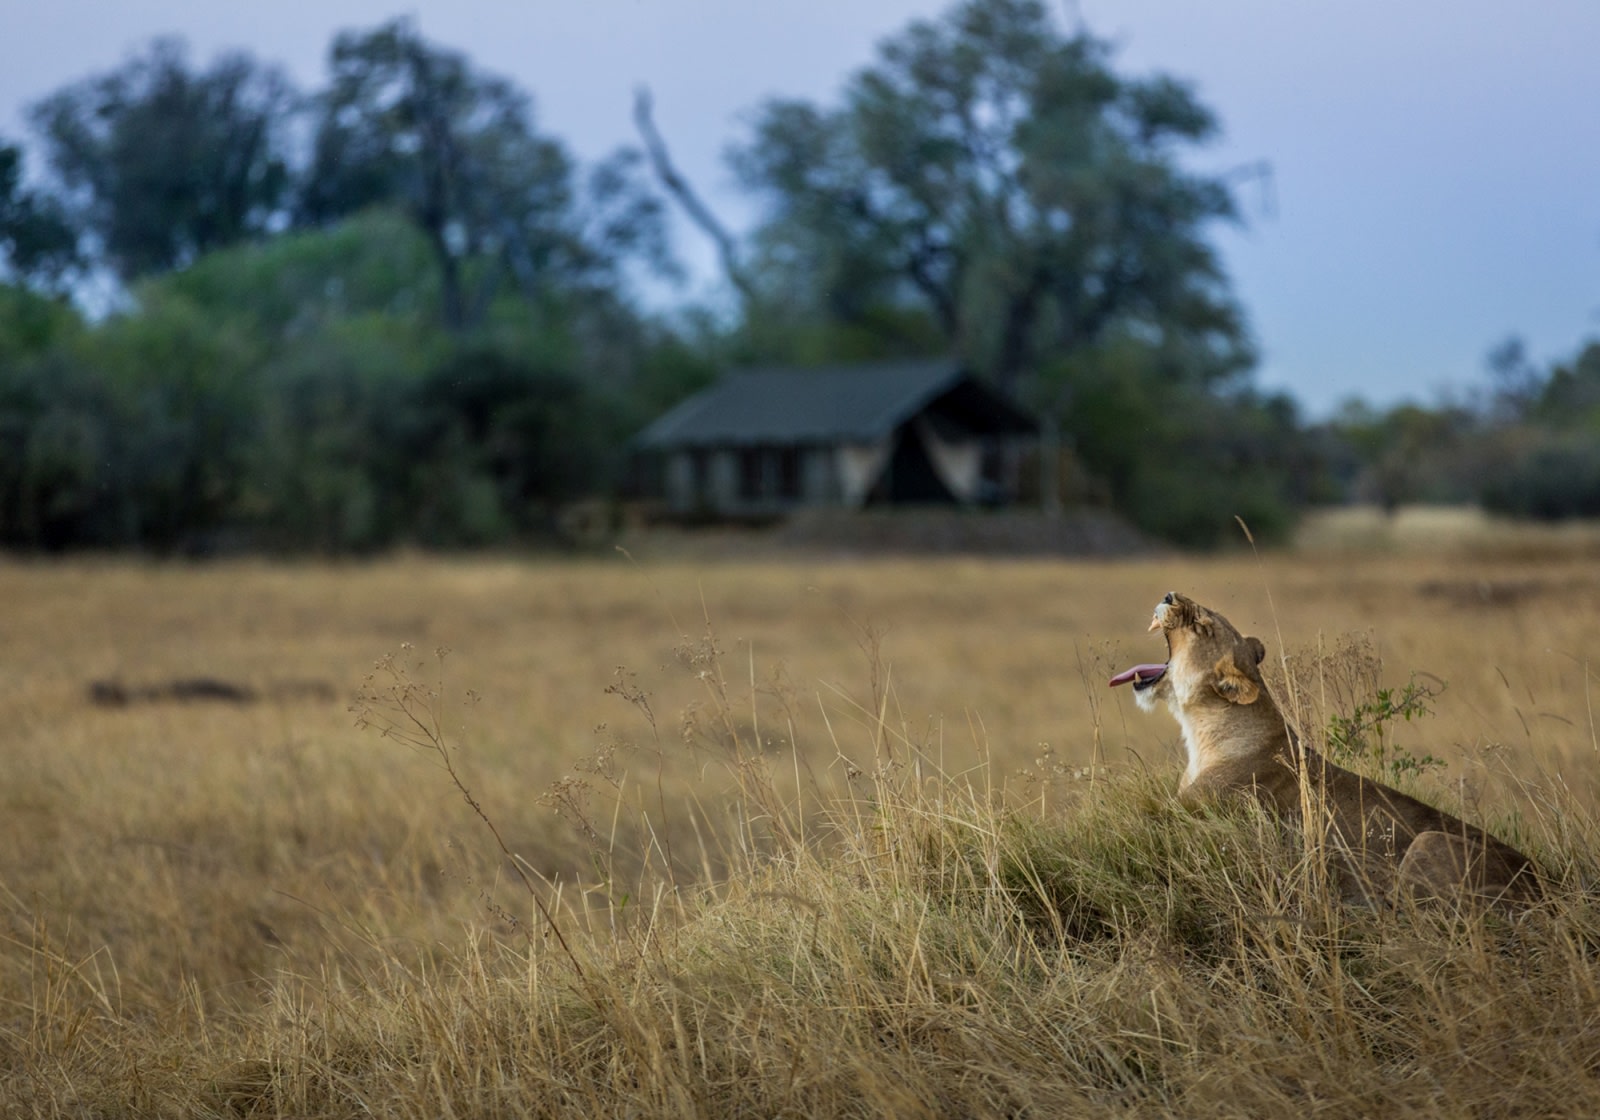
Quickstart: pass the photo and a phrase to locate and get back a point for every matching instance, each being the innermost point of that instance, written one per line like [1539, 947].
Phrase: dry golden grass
[850, 838]
[1459, 529]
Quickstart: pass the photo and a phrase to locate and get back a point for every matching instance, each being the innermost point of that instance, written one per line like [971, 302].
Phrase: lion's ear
[1257, 648]
[1233, 685]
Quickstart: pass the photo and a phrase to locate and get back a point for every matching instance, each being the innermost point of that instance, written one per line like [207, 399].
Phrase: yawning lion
[1239, 743]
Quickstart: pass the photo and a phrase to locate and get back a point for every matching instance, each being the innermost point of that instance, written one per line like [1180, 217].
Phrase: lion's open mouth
[1142, 676]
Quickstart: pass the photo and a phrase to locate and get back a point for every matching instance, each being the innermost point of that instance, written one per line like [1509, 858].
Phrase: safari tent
[768, 441]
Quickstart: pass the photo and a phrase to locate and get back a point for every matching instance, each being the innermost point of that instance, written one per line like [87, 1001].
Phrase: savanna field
[788, 836]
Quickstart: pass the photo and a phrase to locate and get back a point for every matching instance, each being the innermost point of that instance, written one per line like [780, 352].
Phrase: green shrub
[1556, 479]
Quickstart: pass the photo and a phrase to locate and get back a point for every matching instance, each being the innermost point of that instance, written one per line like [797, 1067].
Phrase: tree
[1549, 454]
[1004, 177]
[408, 123]
[38, 245]
[1516, 381]
[1570, 397]
[162, 163]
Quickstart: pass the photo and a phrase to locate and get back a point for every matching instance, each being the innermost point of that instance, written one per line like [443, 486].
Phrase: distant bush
[494, 444]
[335, 446]
[1556, 479]
[1182, 461]
[59, 483]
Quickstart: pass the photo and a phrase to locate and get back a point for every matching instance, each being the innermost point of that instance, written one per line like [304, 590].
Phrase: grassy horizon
[781, 839]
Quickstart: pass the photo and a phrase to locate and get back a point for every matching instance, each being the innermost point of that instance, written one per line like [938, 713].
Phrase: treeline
[417, 329]
[391, 309]
[299, 393]
[1527, 446]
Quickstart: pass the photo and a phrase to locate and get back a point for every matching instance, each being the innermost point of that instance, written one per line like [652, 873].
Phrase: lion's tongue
[1140, 673]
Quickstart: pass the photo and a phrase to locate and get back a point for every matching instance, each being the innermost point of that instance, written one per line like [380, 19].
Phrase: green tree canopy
[409, 123]
[374, 263]
[38, 245]
[162, 163]
[1547, 462]
[1003, 177]
[1570, 398]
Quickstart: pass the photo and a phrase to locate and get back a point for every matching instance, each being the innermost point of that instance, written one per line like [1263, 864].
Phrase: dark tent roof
[831, 404]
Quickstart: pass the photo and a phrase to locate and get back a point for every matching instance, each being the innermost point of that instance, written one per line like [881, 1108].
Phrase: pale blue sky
[1437, 164]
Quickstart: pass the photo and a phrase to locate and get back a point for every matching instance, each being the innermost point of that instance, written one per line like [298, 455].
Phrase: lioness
[1239, 743]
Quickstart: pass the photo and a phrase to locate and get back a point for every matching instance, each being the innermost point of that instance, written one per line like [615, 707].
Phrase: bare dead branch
[678, 187]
